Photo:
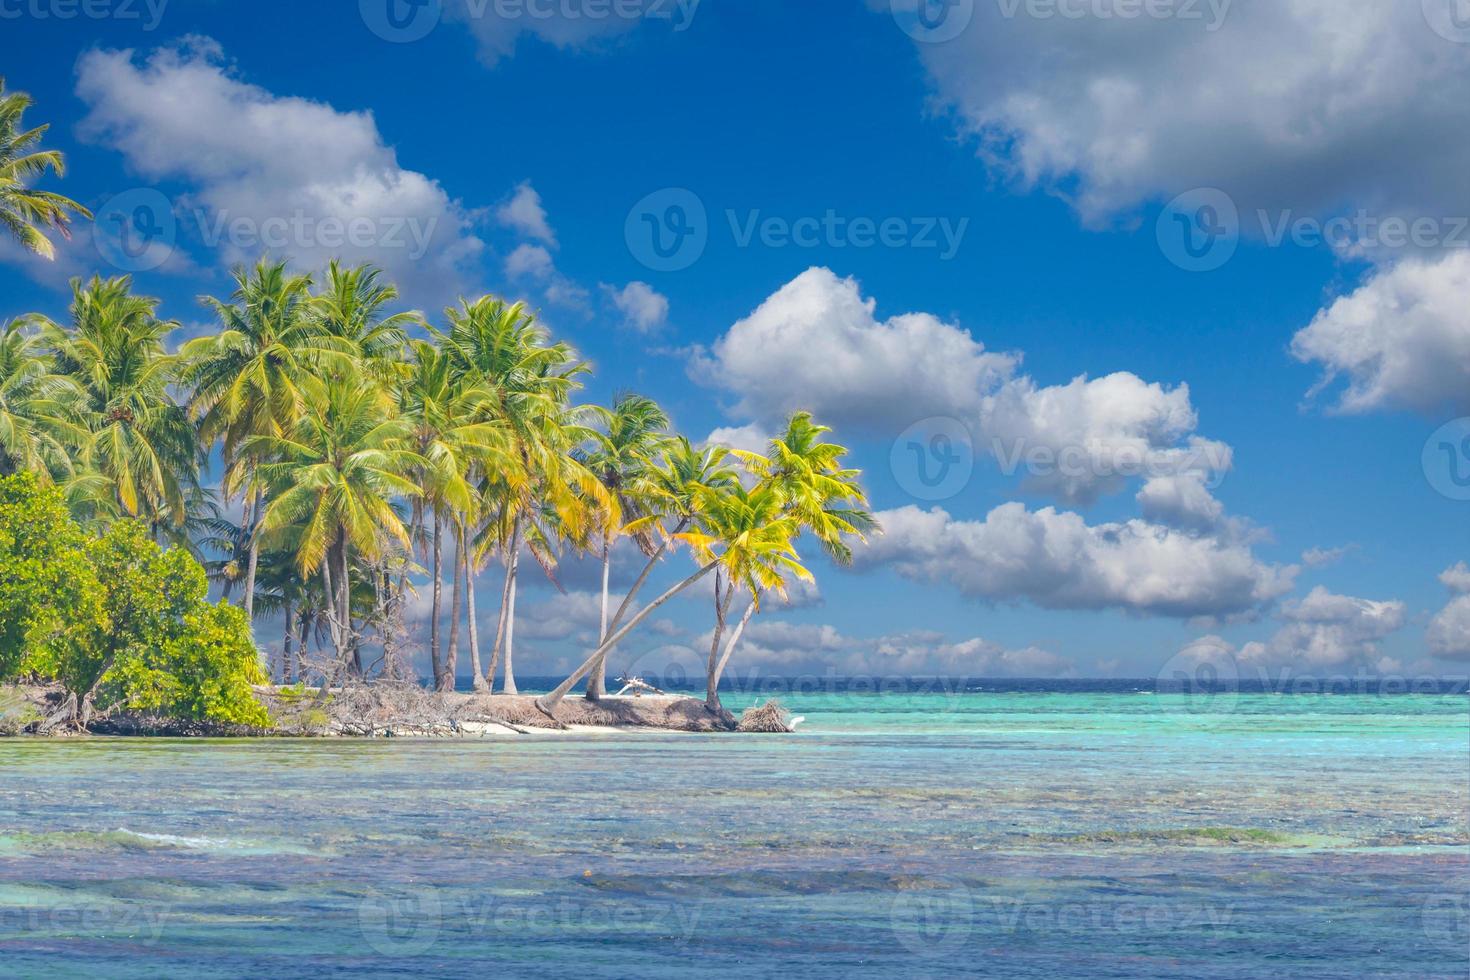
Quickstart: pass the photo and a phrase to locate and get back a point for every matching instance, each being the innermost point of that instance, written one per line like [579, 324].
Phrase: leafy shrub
[117, 620]
[49, 594]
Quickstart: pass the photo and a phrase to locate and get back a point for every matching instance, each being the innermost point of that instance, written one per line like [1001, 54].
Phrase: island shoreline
[399, 710]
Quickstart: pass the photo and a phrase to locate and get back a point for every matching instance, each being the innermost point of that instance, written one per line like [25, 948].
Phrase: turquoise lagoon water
[999, 834]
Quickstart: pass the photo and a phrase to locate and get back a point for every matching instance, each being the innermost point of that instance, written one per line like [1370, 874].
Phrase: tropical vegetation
[328, 459]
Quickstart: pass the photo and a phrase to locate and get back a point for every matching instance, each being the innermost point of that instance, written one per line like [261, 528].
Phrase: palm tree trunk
[330, 604]
[499, 629]
[304, 639]
[470, 621]
[288, 637]
[436, 571]
[508, 686]
[548, 703]
[723, 599]
[712, 689]
[648, 567]
[254, 560]
[344, 602]
[451, 655]
[597, 683]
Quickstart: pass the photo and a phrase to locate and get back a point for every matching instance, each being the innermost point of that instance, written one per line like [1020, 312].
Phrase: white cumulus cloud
[1401, 340]
[644, 308]
[271, 172]
[1054, 559]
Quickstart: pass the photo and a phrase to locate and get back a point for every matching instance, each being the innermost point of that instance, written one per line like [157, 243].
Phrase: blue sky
[1261, 518]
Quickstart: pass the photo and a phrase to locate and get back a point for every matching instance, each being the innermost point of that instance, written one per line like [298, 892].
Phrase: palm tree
[332, 480]
[756, 529]
[25, 211]
[451, 429]
[503, 350]
[823, 498]
[351, 309]
[247, 378]
[622, 457]
[38, 419]
[746, 534]
[676, 492]
[806, 470]
[141, 442]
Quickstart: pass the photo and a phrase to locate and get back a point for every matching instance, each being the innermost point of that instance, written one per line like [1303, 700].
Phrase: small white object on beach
[796, 721]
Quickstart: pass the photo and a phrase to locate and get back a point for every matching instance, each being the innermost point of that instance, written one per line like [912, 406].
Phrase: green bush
[117, 620]
[49, 594]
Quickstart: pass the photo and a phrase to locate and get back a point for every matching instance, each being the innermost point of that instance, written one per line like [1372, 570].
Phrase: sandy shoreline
[400, 710]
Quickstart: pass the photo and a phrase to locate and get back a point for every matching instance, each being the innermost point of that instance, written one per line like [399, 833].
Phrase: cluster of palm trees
[364, 447]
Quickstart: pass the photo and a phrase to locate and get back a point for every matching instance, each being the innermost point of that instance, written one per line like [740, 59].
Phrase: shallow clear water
[1003, 834]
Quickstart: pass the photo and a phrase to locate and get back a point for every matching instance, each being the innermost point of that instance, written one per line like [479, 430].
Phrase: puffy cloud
[1326, 630]
[529, 262]
[1056, 560]
[1402, 339]
[274, 172]
[644, 308]
[1322, 557]
[817, 344]
[752, 438]
[1299, 104]
[499, 27]
[570, 615]
[777, 646]
[1448, 634]
[1180, 501]
[1089, 437]
[525, 214]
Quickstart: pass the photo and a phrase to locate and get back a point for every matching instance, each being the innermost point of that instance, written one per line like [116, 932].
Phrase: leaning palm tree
[332, 481]
[823, 498]
[25, 211]
[744, 533]
[140, 439]
[247, 378]
[39, 424]
[756, 530]
[622, 456]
